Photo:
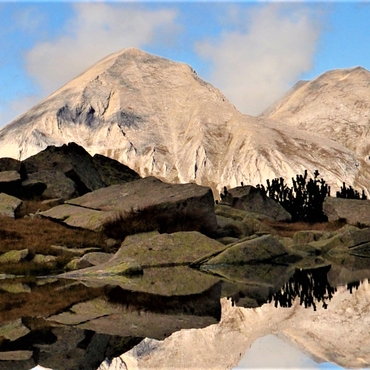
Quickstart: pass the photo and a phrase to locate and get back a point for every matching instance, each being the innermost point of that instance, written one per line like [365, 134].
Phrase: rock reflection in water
[105, 322]
[311, 286]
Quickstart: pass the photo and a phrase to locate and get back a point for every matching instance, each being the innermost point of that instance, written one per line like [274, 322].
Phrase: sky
[271, 352]
[253, 51]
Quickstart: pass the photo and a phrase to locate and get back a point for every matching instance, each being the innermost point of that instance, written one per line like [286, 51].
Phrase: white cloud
[9, 110]
[256, 63]
[29, 19]
[96, 31]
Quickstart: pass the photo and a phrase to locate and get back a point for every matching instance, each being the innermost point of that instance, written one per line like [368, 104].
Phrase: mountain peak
[335, 104]
[159, 118]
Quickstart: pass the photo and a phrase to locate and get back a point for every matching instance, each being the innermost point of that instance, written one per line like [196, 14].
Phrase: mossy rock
[125, 268]
[76, 264]
[261, 249]
[15, 288]
[324, 245]
[14, 330]
[310, 262]
[230, 212]
[14, 256]
[42, 259]
[305, 249]
[153, 249]
[307, 236]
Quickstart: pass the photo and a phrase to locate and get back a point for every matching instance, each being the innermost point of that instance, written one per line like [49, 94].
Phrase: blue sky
[252, 51]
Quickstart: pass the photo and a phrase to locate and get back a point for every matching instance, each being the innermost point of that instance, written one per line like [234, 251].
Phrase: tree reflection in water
[355, 285]
[310, 285]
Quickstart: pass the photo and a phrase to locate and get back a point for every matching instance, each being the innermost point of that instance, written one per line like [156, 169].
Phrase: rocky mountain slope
[325, 335]
[159, 118]
[336, 104]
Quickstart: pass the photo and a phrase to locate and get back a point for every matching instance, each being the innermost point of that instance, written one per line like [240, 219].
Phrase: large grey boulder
[250, 250]
[250, 221]
[113, 172]
[10, 182]
[159, 250]
[9, 205]
[57, 184]
[93, 209]
[153, 250]
[73, 160]
[164, 258]
[354, 211]
[11, 164]
[250, 199]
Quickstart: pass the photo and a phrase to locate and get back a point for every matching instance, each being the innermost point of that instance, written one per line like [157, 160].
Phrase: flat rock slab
[138, 194]
[8, 205]
[74, 252]
[153, 250]
[91, 210]
[150, 191]
[78, 216]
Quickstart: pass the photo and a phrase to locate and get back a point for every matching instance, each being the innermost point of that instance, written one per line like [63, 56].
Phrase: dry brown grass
[38, 235]
[150, 219]
[45, 300]
[31, 206]
[288, 229]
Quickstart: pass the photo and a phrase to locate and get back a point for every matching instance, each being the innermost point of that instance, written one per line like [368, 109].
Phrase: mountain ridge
[161, 119]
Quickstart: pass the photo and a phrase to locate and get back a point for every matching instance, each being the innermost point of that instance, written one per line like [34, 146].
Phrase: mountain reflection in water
[67, 325]
[91, 323]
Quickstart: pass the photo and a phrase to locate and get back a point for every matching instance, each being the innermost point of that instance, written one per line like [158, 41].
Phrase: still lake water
[92, 322]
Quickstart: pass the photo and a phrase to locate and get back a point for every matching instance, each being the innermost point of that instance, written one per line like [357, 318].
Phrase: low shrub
[350, 193]
[304, 201]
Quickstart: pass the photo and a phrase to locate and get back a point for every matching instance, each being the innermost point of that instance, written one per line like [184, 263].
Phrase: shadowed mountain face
[159, 118]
